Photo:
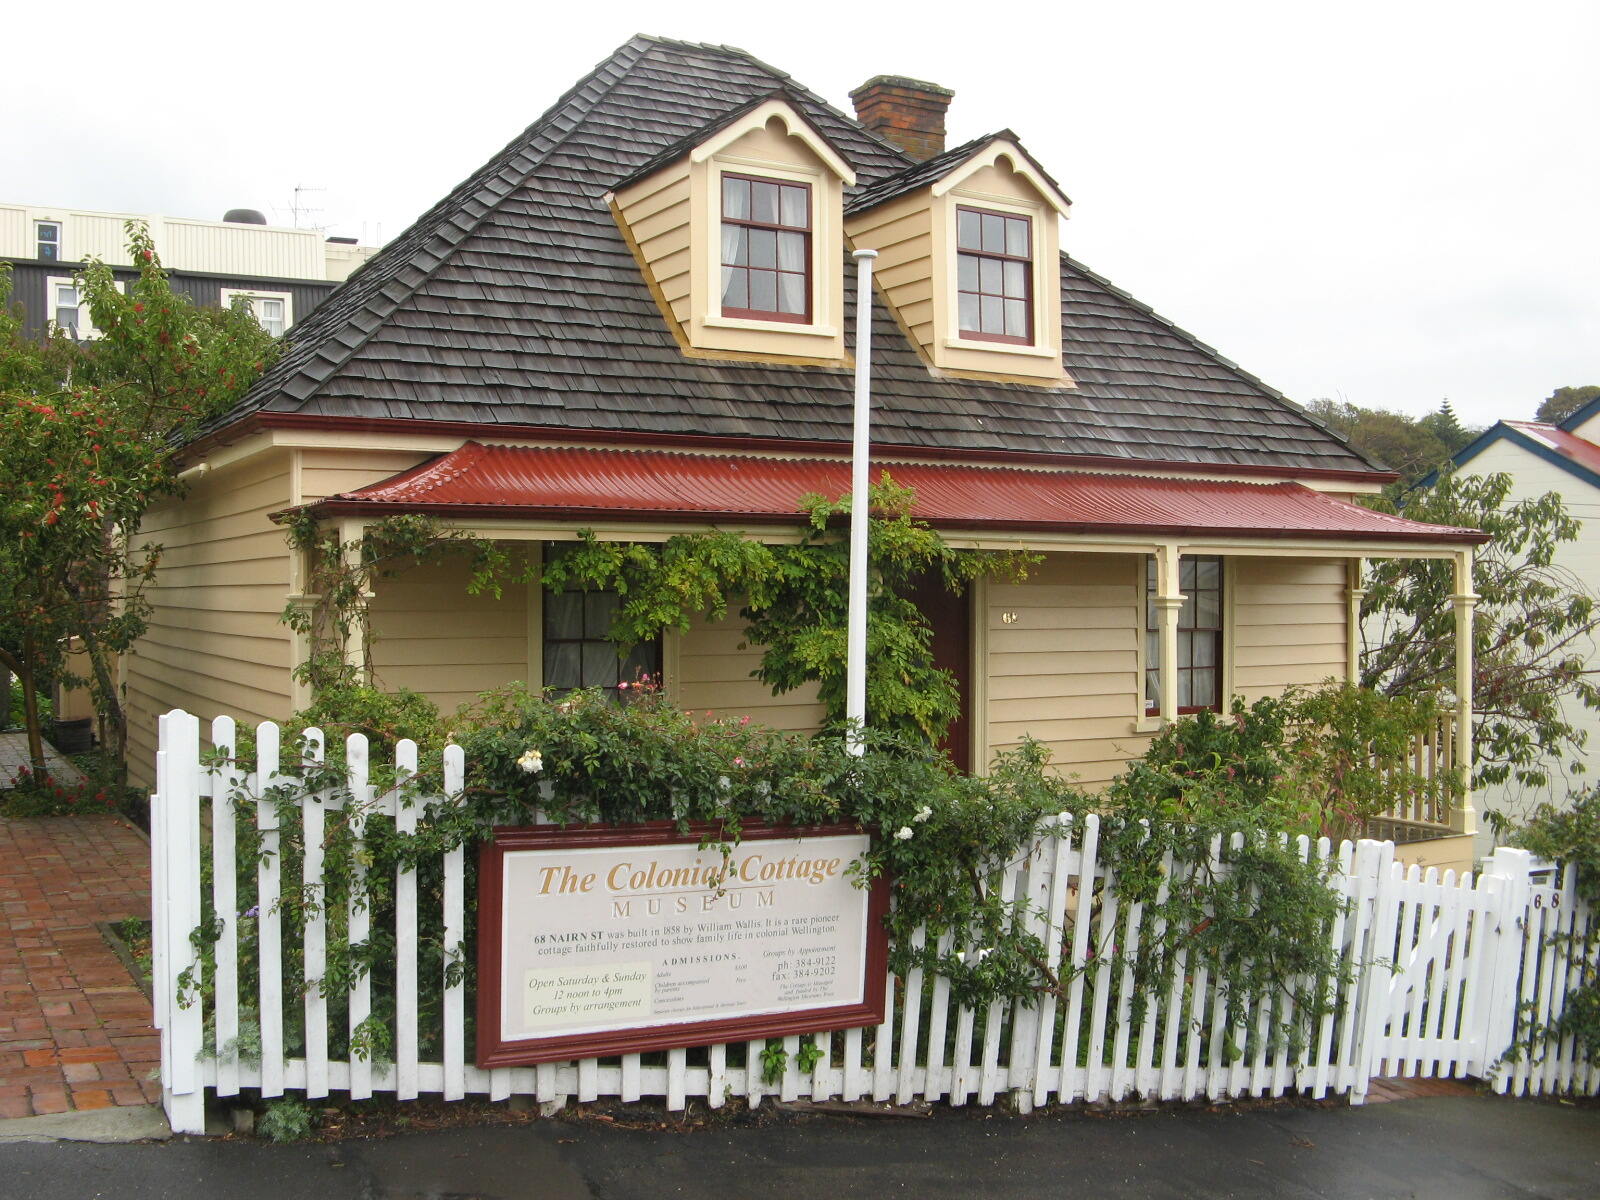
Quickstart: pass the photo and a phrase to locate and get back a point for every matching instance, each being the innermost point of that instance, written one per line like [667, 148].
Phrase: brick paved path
[14, 756]
[74, 1029]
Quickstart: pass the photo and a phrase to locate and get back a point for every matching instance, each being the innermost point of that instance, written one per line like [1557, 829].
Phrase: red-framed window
[994, 276]
[766, 249]
[1200, 645]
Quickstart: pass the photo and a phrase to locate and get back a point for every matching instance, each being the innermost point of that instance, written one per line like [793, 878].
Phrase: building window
[577, 652]
[47, 235]
[1199, 664]
[994, 276]
[67, 309]
[270, 309]
[766, 249]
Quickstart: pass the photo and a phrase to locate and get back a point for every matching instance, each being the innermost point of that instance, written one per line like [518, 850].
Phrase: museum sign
[604, 940]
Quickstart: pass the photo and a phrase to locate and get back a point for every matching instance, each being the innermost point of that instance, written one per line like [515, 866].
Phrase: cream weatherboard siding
[901, 231]
[323, 473]
[1533, 477]
[215, 643]
[1064, 668]
[432, 636]
[1288, 622]
[709, 669]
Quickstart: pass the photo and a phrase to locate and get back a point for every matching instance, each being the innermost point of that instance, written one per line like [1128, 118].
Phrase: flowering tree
[89, 440]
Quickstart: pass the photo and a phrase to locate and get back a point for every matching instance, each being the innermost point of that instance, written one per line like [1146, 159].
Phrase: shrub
[286, 1119]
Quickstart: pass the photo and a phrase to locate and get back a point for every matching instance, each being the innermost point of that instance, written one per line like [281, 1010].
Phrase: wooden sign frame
[495, 1051]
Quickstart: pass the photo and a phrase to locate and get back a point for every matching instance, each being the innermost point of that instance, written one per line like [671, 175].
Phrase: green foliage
[800, 618]
[796, 602]
[42, 795]
[340, 576]
[286, 1119]
[1531, 631]
[1563, 402]
[89, 441]
[1569, 835]
[774, 1060]
[1409, 445]
[1320, 761]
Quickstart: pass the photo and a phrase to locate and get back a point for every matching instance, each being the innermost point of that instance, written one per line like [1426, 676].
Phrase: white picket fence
[1445, 972]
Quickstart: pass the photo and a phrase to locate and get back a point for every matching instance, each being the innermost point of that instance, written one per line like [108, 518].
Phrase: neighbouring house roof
[1573, 454]
[583, 483]
[515, 305]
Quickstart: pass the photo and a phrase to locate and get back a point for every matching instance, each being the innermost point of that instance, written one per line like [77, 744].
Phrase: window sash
[1201, 647]
[766, 244]
[994, 276]
[47, 240]
[576, 652]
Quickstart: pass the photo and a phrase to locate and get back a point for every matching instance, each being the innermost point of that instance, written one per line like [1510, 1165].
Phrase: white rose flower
[903, 834]
[984, 953]
[531, 762]
[923, 813]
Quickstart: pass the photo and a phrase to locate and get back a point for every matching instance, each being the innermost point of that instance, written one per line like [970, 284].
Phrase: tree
[89, 440]
[1531, 631]
[1563, 402]
[1447, 427]
[1401, 443]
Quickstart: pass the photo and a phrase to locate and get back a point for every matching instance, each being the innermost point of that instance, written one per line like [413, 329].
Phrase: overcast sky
[1385, 203]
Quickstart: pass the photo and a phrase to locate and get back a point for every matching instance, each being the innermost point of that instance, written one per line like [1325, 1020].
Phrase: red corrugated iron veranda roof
[590, 484]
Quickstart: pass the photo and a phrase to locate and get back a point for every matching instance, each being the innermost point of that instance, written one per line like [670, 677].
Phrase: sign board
[603, 940]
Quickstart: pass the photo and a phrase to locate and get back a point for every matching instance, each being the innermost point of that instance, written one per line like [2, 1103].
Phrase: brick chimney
[908, 112]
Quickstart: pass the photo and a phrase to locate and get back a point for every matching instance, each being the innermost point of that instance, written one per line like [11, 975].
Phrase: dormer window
[994, 270]
[766, 249]
[969, 258]
[740, 236]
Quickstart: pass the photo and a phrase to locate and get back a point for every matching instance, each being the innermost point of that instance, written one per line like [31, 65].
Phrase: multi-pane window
[577, 652]
[994, 271]
[47, 235]
[1199, 664]
[66, 307]
[766, 249]
[269, 313]
[270, 309]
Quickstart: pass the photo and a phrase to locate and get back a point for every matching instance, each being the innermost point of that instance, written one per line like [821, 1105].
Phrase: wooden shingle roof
[515, 304]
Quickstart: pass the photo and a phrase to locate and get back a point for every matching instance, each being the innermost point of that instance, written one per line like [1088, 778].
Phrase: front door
[951, 618]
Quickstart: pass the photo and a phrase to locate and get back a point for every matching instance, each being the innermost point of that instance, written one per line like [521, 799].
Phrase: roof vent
[244, 216]
[907, 112]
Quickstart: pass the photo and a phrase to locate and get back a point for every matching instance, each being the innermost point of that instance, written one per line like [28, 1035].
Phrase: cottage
[635, 318]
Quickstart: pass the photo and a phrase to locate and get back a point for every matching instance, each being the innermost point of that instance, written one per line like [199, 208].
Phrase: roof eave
[257, 421]
[508, 512]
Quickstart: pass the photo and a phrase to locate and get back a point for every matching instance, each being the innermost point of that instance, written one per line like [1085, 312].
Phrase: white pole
[855, 677]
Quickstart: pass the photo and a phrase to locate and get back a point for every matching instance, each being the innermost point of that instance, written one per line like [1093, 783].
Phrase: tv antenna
[299, 208]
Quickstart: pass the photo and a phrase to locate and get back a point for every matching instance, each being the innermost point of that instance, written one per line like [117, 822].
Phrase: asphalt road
[1457, 1148]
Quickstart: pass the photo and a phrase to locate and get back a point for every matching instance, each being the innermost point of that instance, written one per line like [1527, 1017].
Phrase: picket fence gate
[1446, 974]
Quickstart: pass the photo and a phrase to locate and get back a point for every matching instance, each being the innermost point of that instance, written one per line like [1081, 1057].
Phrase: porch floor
[75, 1030]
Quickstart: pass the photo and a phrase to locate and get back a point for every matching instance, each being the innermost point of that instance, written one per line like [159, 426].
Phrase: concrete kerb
[133, 1123]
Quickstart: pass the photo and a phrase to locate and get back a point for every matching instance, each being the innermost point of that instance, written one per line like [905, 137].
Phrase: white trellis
[1446, 972]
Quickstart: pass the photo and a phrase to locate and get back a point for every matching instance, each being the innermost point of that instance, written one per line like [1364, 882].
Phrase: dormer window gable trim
[796, 125]
[1018, 160]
